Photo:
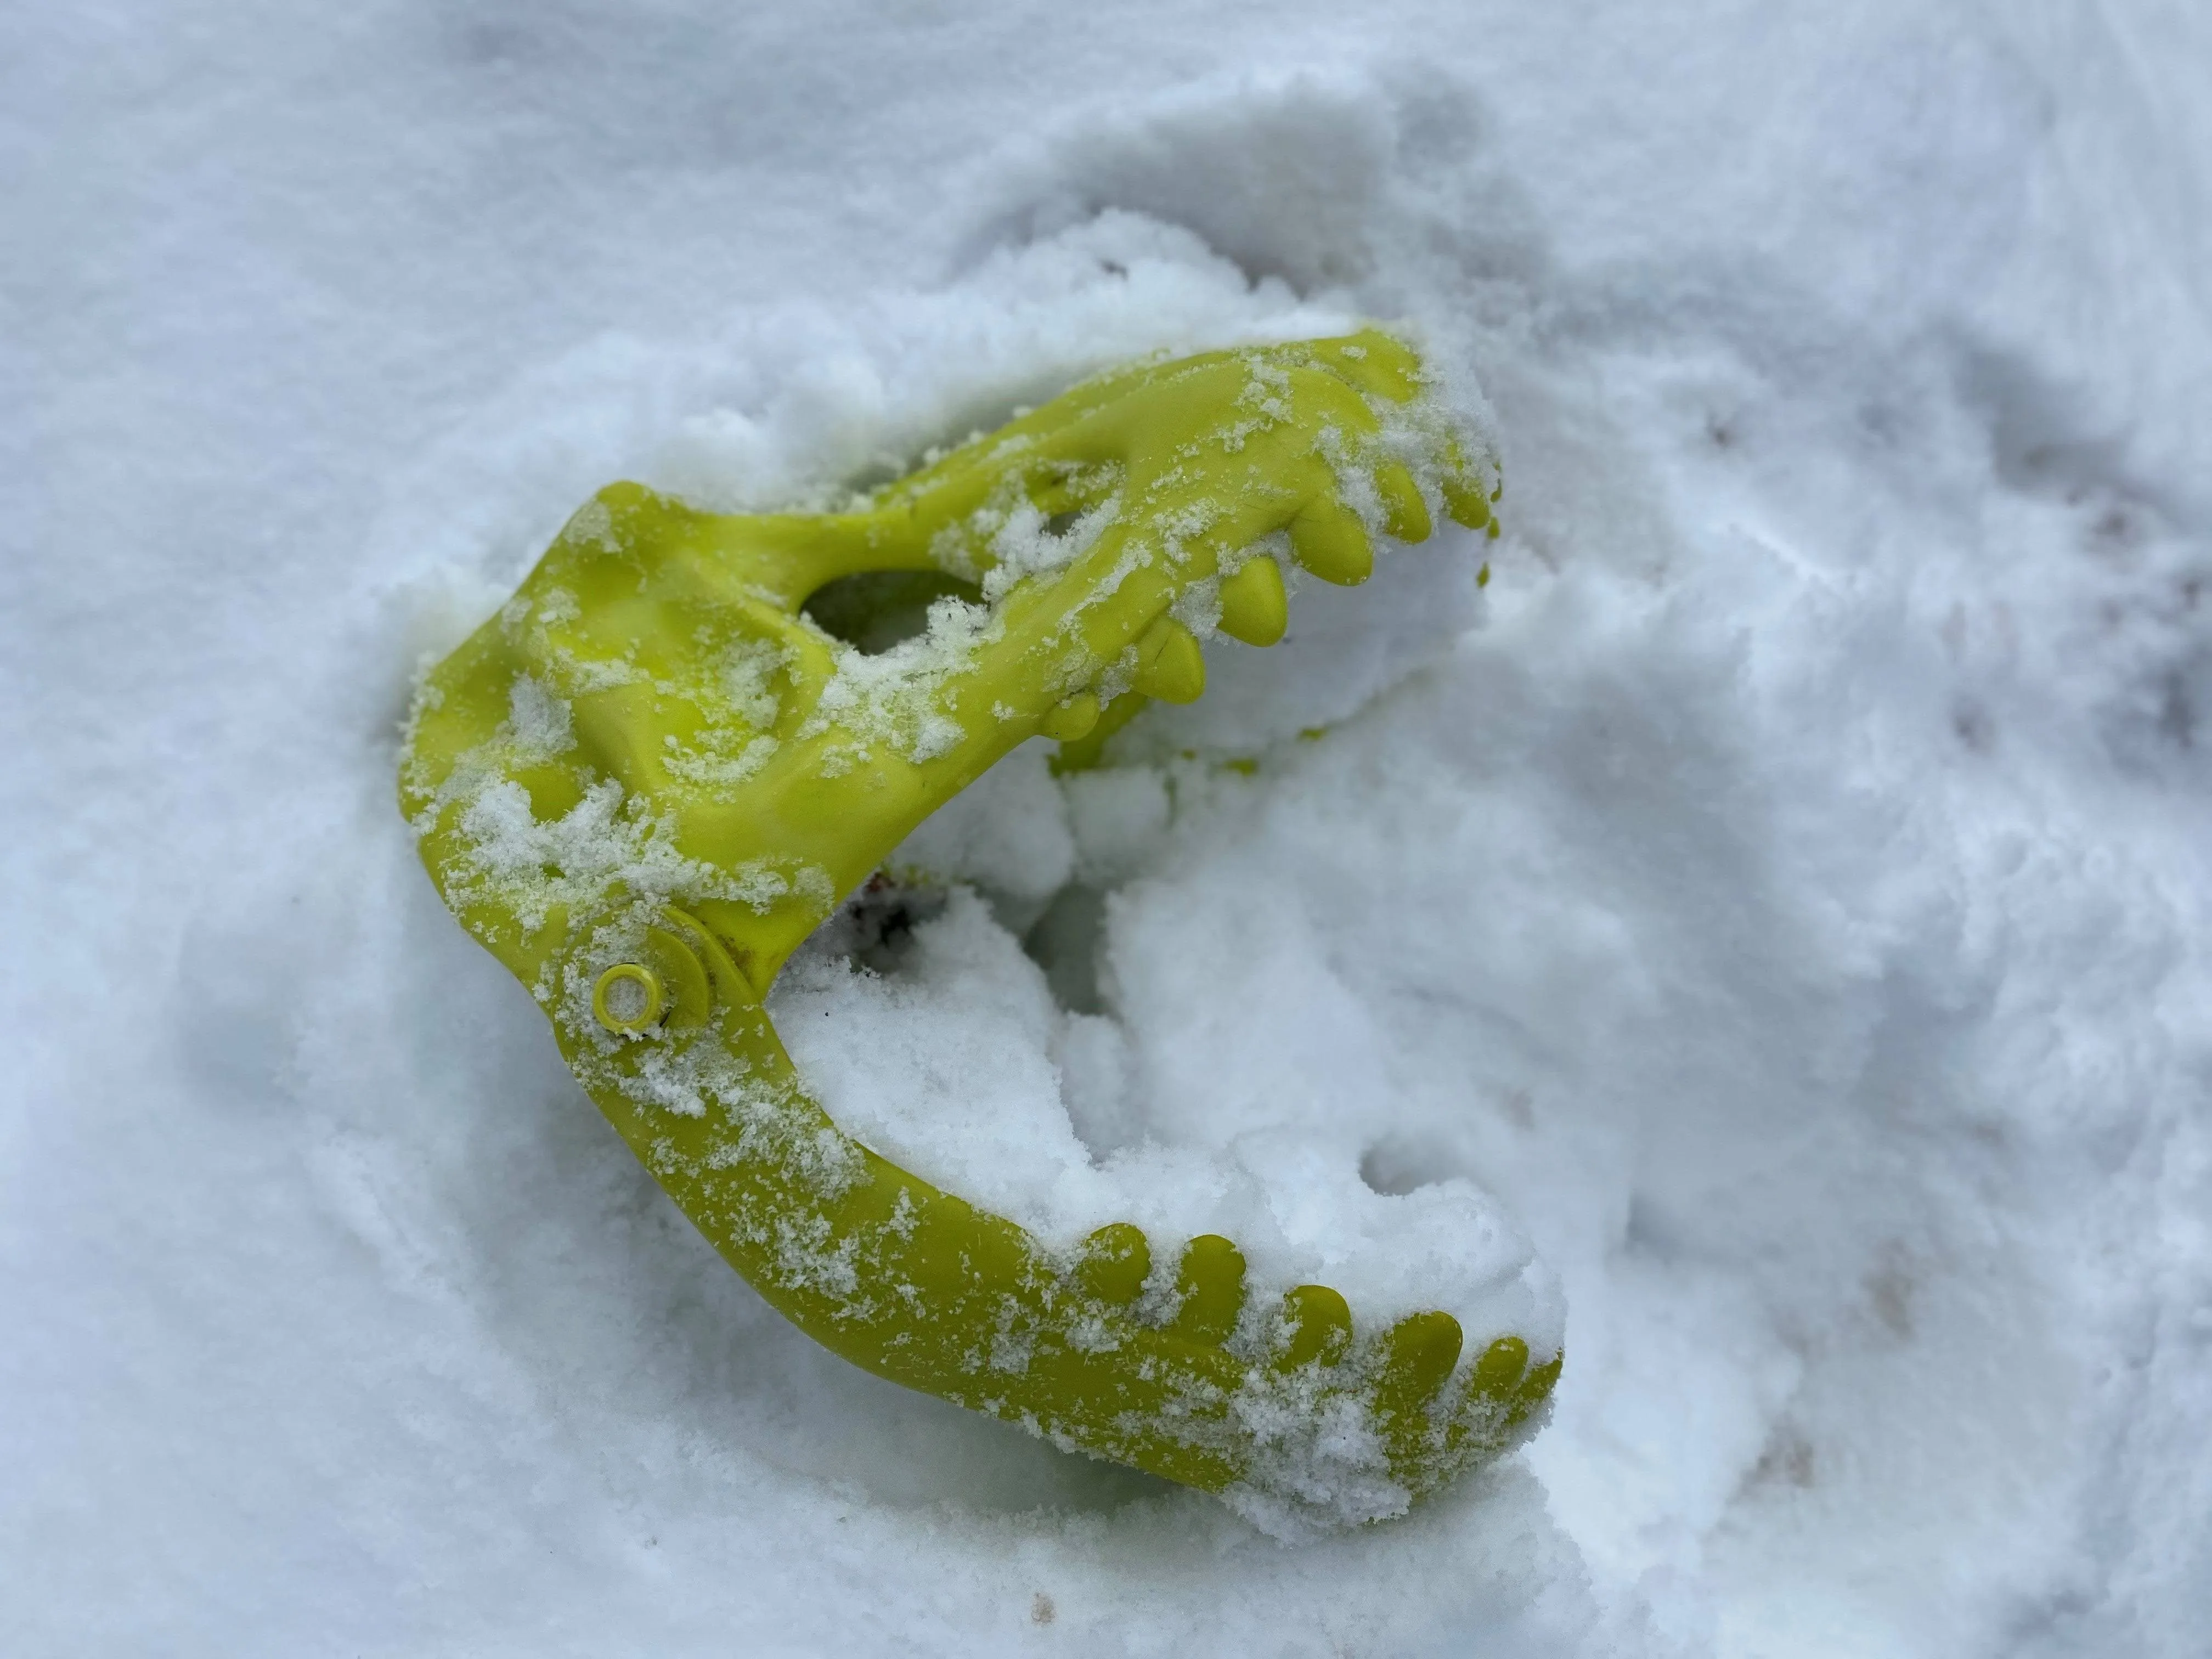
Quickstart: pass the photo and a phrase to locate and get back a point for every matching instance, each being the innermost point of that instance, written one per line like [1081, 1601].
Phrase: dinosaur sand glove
[652, 775]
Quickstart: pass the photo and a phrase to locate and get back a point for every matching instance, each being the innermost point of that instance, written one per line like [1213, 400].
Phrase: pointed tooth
[1329, 540]
[1212, 1281]
[1540, 1380]
[1320, 1322]
[1254, 607]
[1072, 720]
[1088, 750]
[1404, 514]
[1465, 503]
[1463, 494]
[1169, 665]
[1535, 1389]
[1116, 1261]
[1418, 1355]
[1500, 1367]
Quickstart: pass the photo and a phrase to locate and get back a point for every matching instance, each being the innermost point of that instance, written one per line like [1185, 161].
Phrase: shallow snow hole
[1065, 941]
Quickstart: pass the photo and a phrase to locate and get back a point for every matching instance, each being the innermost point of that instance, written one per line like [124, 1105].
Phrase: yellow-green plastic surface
[648, 779]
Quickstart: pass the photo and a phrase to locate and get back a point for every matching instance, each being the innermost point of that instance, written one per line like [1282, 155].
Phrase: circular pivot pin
[627, 999]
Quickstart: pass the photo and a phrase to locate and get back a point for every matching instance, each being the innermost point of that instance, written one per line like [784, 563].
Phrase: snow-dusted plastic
[652, 774]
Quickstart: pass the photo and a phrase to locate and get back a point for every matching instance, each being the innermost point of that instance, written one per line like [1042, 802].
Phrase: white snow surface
[1783, 895]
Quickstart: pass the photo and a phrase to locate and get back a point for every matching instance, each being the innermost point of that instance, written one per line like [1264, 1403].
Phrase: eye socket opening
[876, 610]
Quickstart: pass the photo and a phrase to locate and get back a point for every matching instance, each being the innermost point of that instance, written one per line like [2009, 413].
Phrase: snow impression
[1779, 896]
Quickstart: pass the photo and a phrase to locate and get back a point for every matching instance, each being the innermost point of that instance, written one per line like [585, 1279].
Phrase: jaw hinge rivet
[629, 998]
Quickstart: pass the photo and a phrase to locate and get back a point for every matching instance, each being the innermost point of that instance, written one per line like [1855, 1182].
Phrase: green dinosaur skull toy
[652, 774]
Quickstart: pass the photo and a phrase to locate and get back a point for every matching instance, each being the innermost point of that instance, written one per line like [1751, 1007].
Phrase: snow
[950, 1063]
[1780, 895]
